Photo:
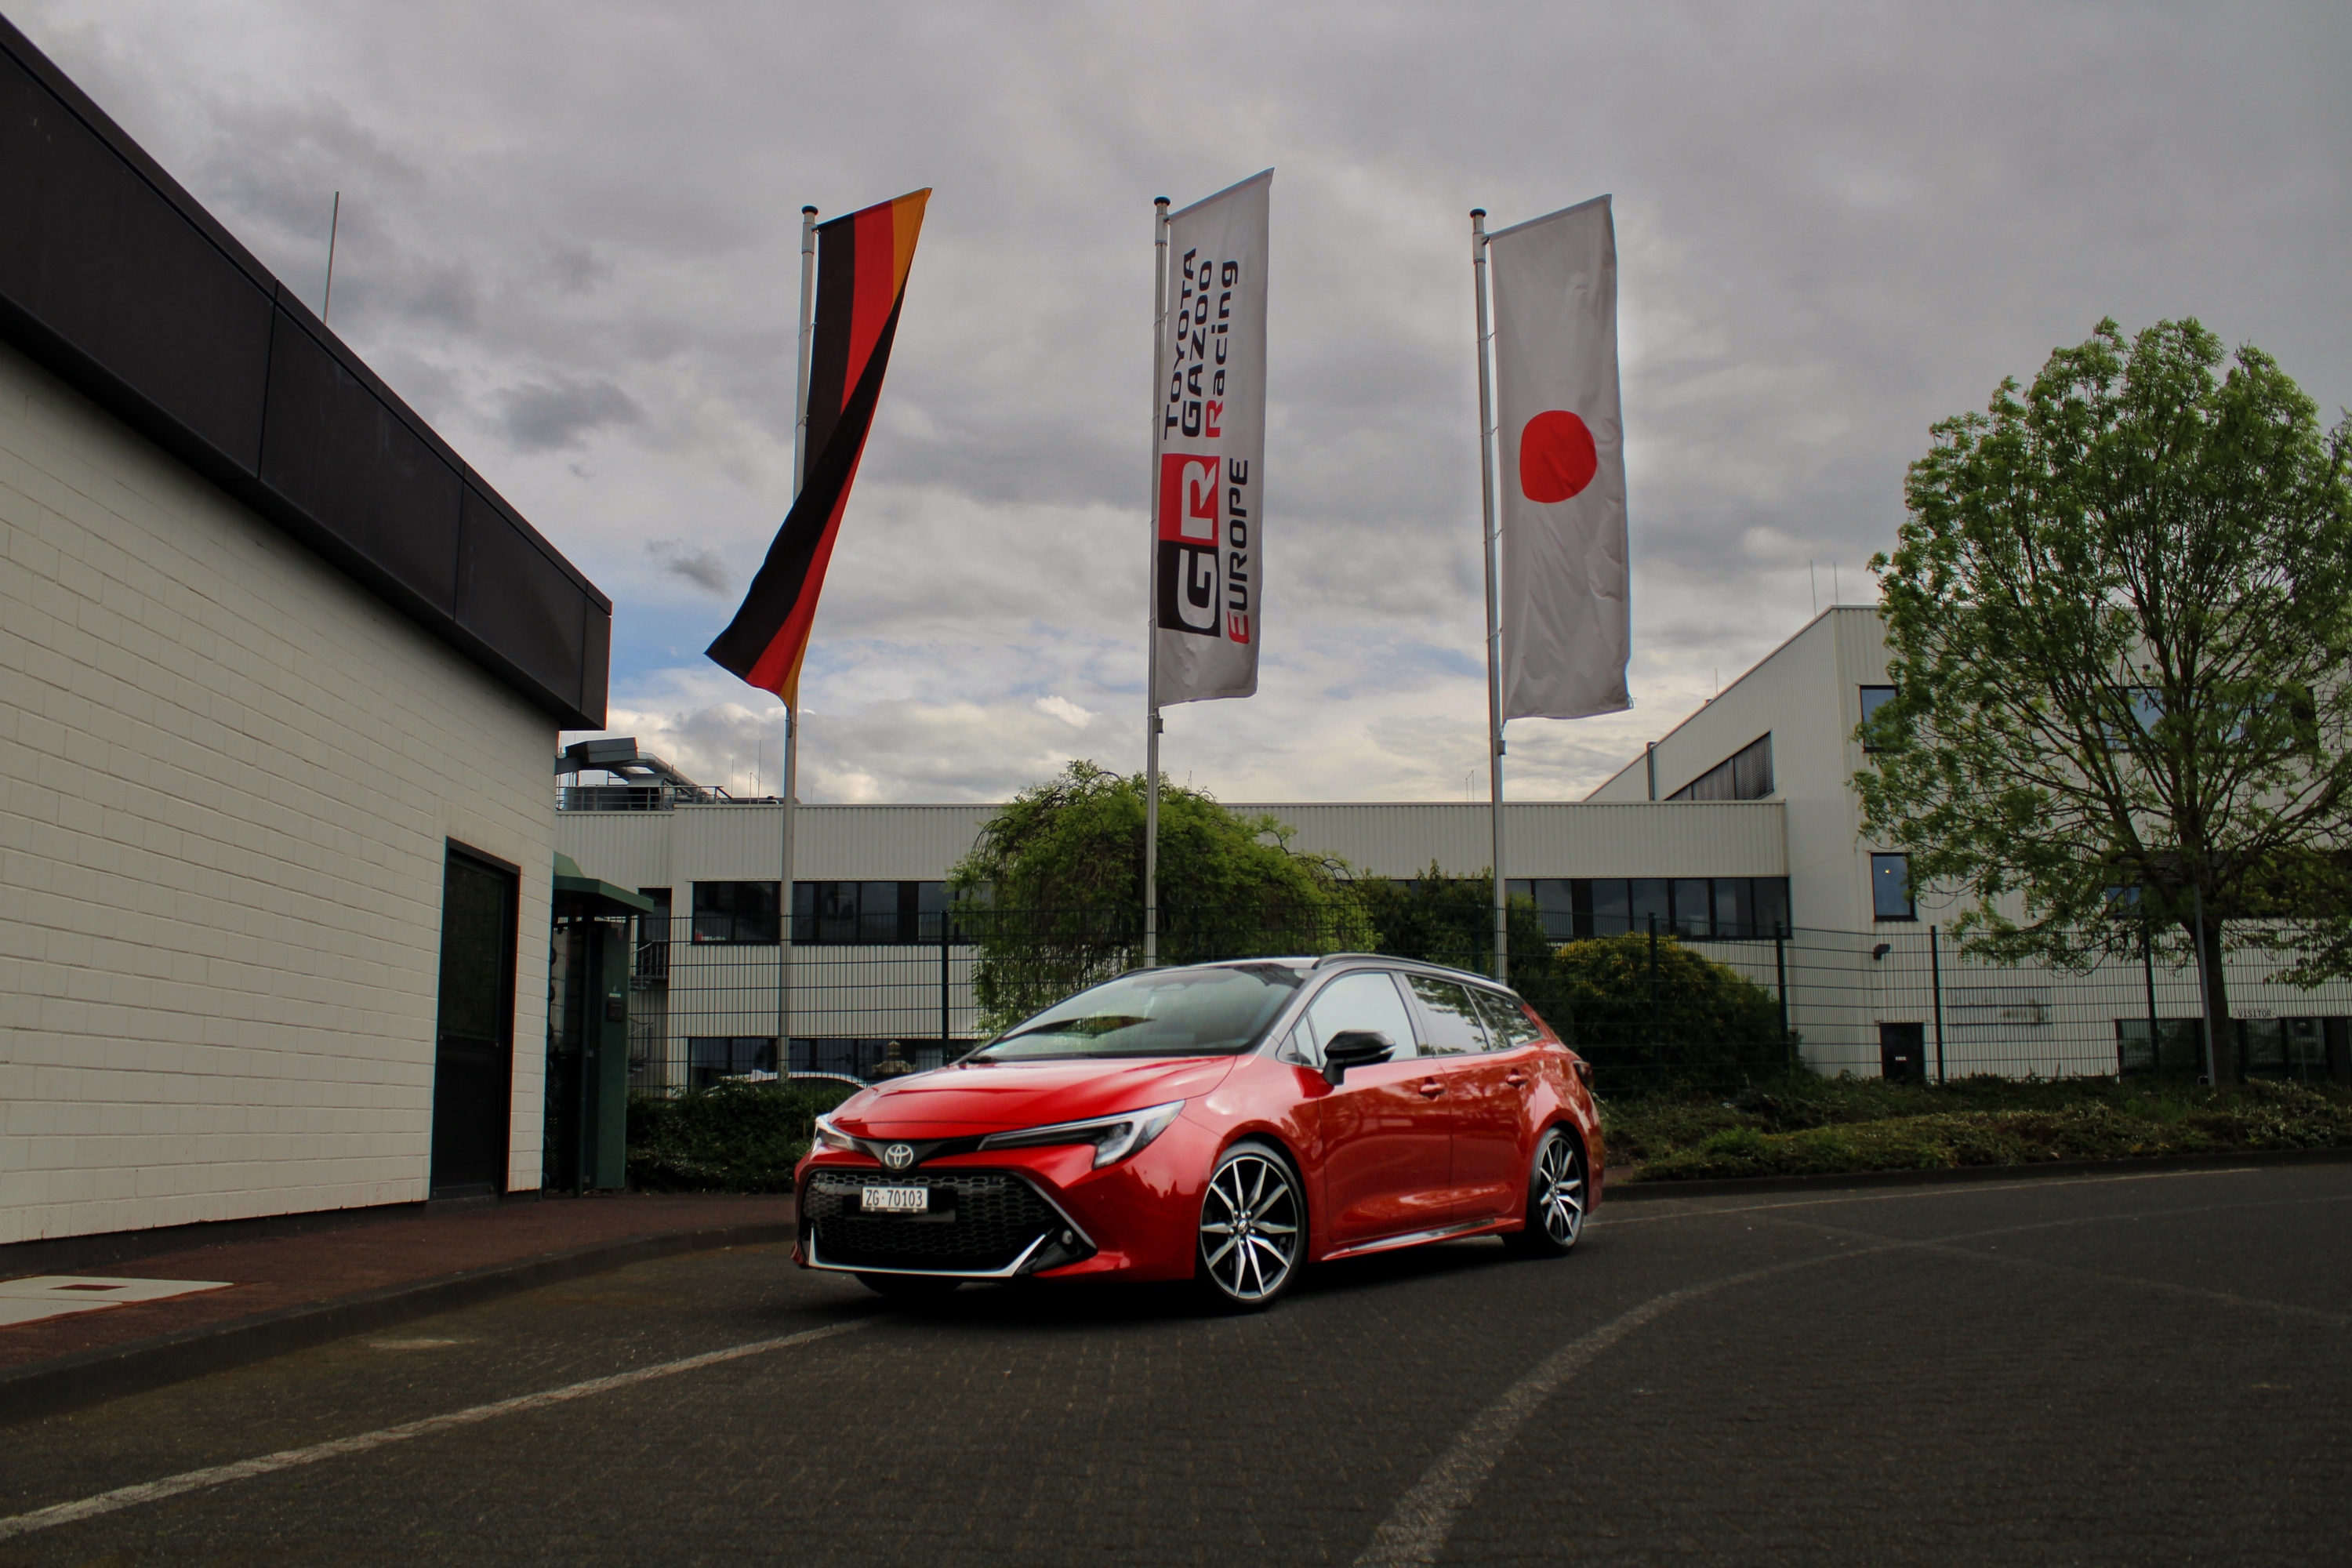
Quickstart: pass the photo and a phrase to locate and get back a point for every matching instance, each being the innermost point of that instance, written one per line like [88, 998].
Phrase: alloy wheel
[1560, 1191]
[1249, 1228]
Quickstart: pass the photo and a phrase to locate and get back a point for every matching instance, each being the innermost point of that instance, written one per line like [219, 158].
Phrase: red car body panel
[1418, 1148]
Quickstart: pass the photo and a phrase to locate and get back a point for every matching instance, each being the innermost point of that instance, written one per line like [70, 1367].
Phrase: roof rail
[1336, 957]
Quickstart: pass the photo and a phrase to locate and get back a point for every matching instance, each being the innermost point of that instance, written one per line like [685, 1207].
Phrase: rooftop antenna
[1837, 595]
[1813, 585]
[334, 226]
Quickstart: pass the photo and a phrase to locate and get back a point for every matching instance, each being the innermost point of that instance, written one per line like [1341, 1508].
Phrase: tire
[1558, 1192]
[1252, 1230]
[911, 1288]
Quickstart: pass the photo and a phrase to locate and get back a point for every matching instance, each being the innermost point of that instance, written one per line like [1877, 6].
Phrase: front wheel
[1556, 1195]
[1253, 1228]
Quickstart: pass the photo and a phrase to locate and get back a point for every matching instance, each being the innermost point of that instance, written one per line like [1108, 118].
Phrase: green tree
[1442, 919]
[1640, 1006]
[2120, 612]
[1052, 891]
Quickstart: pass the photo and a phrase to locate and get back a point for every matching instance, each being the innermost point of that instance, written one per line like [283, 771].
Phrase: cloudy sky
[570, 238]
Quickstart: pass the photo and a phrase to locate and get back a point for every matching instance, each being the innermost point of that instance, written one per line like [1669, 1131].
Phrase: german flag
[861, 276]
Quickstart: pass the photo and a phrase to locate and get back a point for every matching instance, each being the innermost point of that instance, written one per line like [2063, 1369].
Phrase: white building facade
[1738, 832]
[279, 675]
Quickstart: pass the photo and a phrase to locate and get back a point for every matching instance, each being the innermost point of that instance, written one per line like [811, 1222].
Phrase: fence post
[943, 991]
[1936, 980]
[1658, 1016]
[1781, 974]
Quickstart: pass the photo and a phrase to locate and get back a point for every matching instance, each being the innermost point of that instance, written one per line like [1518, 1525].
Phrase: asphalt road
[2135, 1368]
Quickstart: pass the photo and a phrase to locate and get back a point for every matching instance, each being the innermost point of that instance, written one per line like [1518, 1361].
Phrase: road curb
[1621, 1190]
[68, 1382]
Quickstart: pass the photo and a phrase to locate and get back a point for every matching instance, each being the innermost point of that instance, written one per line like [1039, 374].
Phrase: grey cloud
[1837, 222]
[699, 565]
[542, 417]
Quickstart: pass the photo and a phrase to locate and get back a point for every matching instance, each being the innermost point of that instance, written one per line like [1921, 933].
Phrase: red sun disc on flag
[1555, 456]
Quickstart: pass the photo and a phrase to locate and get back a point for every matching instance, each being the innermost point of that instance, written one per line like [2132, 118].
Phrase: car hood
[994, 1097]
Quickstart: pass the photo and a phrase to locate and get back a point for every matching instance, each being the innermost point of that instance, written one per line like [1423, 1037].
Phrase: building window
[870, 914]
[714, 1058]
[1745, 775]
[1717, 907]
[735, 912]
[2180, 1047]
[1555, 901]
[653, 937]
[1873, 698]
[1575, 908]
[1890, 888]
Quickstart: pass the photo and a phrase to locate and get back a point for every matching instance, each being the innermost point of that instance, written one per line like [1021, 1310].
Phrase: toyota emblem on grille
[898, 1156]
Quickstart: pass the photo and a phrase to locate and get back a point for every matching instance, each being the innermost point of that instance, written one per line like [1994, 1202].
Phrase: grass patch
[1809, 1126]
[731, 1137]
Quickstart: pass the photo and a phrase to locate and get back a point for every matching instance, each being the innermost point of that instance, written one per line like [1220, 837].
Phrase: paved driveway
[2131, 1368]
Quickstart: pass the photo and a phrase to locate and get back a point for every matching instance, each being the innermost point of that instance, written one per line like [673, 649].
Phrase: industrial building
[1738, 831]
[279, 675]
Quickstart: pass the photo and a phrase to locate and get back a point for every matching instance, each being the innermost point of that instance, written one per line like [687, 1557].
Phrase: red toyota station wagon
[1224, 1123]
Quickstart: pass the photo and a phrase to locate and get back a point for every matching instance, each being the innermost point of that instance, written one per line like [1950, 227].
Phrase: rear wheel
[1557, 1195]
[909, 1288]
[1252, 1230]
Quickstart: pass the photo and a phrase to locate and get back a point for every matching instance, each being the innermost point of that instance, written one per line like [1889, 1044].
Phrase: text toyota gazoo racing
[1224, 1123]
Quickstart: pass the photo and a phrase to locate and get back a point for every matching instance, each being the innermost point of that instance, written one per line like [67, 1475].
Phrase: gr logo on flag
[1192, 530]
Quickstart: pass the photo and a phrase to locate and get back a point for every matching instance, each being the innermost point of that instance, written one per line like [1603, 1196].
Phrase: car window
[1508, 1024]
[1365, 1000]
[1214, 1010]
[1454, 1026]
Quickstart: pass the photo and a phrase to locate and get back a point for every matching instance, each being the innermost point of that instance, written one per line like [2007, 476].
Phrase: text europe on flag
[1566, 623]
[1209, 532]
[862, 260]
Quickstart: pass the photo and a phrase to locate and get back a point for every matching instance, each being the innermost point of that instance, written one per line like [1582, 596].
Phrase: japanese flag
[1566, 624]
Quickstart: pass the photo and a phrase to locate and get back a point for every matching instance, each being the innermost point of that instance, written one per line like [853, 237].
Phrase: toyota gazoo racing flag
[1209, 527]
[1566, 623]
[861, 277]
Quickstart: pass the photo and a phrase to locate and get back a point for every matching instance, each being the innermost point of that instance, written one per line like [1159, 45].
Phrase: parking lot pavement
[2136, 1368]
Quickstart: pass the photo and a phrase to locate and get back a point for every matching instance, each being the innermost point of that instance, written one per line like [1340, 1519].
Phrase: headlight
[1114, 1137]
[828, 1136]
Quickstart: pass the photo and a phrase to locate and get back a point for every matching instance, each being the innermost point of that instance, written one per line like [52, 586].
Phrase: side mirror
[1354, 1049]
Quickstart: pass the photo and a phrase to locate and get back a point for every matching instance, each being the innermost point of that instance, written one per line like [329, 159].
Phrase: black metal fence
[1652, 1007]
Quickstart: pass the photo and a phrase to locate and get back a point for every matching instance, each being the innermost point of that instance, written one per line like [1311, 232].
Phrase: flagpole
[1151, 607]
[792, 725]
[1491, 544]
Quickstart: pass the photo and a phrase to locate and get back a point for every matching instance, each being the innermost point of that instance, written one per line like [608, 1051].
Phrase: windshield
[1159, 1012]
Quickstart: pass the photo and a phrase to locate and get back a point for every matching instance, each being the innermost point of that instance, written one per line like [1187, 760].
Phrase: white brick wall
[227, 774]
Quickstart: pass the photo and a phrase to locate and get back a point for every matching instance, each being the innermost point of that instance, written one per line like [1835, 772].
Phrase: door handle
[1431, 1088]
[1517, 1080]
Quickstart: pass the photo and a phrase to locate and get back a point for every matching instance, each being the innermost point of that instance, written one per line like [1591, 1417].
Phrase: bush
[1711, 1023]
[1798, 1126]
[731, 1138]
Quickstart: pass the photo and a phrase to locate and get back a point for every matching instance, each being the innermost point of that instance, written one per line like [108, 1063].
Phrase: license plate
[895, 1200]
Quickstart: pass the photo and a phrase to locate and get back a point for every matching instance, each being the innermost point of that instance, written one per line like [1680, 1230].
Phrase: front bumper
[1014, 1212]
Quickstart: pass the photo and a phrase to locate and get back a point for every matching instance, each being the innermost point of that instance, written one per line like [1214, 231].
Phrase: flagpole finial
[1159, 201]
[809, 210]
[1477, 212]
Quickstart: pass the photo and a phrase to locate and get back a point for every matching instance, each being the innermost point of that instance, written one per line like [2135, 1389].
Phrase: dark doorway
[474, 1052]
[1902, 1052]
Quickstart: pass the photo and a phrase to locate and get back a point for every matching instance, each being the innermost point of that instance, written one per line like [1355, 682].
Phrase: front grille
[989, 1220]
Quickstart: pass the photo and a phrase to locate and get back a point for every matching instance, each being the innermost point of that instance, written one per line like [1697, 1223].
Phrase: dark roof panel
[117, 280]
[336, 451]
